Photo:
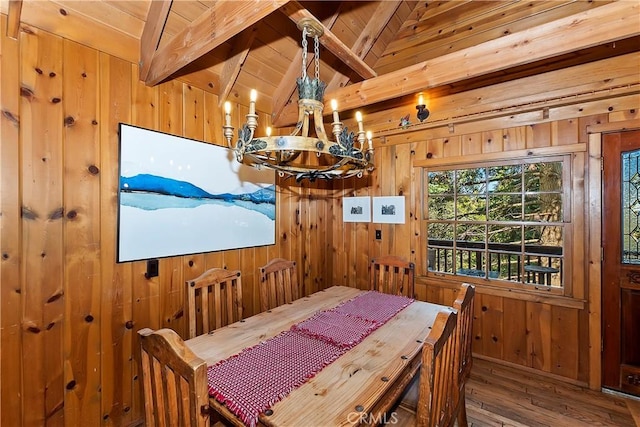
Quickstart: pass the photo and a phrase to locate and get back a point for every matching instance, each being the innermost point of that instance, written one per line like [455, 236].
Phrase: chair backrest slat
[278, 283]
[393, 275]
[464, 307]
[438, 374]
[214, 300]
[174, 381]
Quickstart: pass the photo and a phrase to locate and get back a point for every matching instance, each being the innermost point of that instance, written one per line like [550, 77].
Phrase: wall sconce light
[423, 112]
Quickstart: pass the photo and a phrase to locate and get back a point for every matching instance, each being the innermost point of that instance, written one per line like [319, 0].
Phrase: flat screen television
[179, 196]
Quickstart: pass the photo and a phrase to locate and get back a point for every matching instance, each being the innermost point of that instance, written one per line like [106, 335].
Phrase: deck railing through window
[542, 264]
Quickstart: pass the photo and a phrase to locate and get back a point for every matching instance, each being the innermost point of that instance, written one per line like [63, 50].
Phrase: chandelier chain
[304, 53]
[316, 52]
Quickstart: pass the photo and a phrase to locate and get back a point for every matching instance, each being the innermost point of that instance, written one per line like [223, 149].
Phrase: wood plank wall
[68, 312]
[528, 330]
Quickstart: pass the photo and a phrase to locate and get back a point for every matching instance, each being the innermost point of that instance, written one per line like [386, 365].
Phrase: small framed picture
[356, 209]
[388, 210]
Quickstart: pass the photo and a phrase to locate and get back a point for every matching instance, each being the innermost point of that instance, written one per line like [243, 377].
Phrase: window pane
[472, 208]
[470, 249]
[505, 207]
[471, 181]
[440, 182]
[440, 246]
[505, 179]
[441, 207]
[543, 255]
[543, 176]
[440, 231]
[505, 250]
[543, 207]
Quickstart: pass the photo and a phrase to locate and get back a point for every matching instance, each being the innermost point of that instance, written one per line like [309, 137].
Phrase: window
[506, 222]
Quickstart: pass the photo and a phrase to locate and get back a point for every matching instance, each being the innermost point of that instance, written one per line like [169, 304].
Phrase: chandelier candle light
[300, 155]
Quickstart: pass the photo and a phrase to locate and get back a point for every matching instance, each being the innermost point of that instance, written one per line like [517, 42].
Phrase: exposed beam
[296, 12]
[287, 86]
[368, 37]
[218, 24]
[233, 65]
[13, 18]
[156, 19]
[604, 24]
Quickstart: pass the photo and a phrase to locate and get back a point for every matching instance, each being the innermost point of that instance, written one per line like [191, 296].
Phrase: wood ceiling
[373, 53]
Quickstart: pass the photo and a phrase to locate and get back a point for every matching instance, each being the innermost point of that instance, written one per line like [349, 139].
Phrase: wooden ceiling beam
[233, 65]
[296, 13]
[604, 24]
[156, 19]
[13, 18]
[384, 12]
[218, 24]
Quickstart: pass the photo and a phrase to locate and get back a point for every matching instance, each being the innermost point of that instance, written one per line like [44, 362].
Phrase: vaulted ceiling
[373, 53]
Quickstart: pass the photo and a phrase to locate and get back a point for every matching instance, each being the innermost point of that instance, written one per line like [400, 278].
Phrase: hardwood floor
[503, 396]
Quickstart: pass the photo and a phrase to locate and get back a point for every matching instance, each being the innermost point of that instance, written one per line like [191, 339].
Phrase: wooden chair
[463, 305]
[392, 275]
[438, 374]
[174, 381]
[214, 299]
[464, 331]
[278, 283]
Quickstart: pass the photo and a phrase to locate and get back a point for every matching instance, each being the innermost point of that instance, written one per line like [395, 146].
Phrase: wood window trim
[500, 155]
[530, 295]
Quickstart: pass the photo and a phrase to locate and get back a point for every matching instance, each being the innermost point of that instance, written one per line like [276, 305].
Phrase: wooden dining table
[357, 388]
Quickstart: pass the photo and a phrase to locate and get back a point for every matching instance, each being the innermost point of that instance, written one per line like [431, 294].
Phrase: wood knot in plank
[69, 121]
[27, 93]
[11, 117]
[28, 213]
[32, 327]
[56, 214]
[55, 297]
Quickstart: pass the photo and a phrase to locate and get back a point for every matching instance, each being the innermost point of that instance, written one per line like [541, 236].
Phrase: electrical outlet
[378, 234]
[152, 269]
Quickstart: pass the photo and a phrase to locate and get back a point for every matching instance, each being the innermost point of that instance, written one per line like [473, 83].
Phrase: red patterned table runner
[253, 380]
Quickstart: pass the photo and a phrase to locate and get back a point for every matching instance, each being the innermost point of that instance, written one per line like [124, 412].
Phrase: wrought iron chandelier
[298, 154]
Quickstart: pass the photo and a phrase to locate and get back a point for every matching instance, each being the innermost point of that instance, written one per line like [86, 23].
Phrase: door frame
[594, 239]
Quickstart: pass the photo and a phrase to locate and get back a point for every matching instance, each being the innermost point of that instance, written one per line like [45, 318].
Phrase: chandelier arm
[319, 126]
[299, 129]
[305, 121]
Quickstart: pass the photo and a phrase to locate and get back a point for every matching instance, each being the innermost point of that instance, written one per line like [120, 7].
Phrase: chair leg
[462, 412]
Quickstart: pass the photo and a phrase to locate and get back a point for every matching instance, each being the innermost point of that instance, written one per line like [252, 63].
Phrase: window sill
[532, 295]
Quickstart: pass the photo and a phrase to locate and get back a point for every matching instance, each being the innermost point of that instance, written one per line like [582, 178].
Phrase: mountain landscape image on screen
[138, 191]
